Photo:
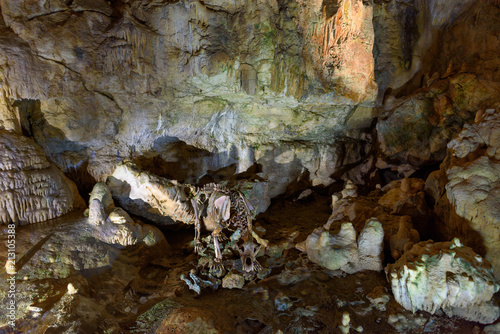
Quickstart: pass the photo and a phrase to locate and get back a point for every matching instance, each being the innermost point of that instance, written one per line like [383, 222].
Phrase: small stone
[306, 193]
[233, 281]
[143, 299]
[71, 289]
[282, 302]
[274, 252]
[35, 308]
[263, 273]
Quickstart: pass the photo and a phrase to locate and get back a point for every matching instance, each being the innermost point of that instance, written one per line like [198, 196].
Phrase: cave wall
[188, 87]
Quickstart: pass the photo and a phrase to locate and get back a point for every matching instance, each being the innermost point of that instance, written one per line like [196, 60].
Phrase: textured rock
[404, 240]
[473, 188]
[417, 129]
[406, 197]
[233, 82]
[446, 276]
[32, 189]
[188, 320]
[114, 225]
[146, 195]
[233, 281]
[341, 251]
[379, 297]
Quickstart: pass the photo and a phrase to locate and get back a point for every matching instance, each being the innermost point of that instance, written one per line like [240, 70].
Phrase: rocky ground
[137, 289]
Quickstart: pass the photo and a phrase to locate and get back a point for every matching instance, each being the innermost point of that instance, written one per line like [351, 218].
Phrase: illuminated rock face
[146, 195]
[32, 190]
[446, 276]
[114, 225]
[236, 82]
[342, 251]
[473, 189]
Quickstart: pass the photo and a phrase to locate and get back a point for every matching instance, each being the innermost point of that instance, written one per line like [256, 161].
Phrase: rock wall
[286, 87]
[469, 206]
[239, 82]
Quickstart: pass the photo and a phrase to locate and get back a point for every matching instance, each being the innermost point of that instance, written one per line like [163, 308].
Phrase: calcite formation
[114, 225]
[32, 189]
[473, 188]
[157, 199]
[446, 276]
[404, 240]
[342, 251]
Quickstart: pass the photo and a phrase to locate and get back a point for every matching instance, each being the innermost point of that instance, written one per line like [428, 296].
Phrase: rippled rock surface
[32, 189]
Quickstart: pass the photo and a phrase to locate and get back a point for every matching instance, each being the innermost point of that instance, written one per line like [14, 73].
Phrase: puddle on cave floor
[131, 290]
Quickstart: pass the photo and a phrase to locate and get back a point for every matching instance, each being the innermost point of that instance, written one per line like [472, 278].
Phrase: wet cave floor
[132, 290]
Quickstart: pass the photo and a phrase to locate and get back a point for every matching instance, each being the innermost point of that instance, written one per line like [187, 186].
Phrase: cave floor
[133, 290]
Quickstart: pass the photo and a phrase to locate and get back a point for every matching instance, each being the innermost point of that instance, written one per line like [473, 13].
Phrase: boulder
[166, 202]
[445, 276]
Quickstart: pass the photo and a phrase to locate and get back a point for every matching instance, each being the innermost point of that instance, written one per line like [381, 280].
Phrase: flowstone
[32, 190]
[446, 276]
[341, 251]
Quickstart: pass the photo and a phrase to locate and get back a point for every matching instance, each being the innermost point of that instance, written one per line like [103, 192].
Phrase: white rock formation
[114, 225]
[152, 197]
[341, 251]
[473, 187]
[32, 190]
[350, 190]
[446, 276]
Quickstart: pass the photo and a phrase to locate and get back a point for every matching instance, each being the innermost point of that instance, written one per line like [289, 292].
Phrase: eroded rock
[446, 276]
[32, 189]
[157, 199]
[473, 188]
[342, 251]
[115, 226]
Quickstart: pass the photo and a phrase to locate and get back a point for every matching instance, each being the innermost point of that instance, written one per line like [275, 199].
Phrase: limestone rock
[418, 129]
[233, 281]
[341, 251]
[157, 199]
[406, 197]
[446, 276]
[379, 297]
[350, 190]
[473, 188]
[404, 240]
[103, 194]
[188, 320]
[32, 189]
[116, 227]
[231, 81]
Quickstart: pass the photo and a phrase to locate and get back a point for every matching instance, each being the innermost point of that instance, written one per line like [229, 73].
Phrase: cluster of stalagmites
[32, 190]
[426, 276]
[342, 251]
